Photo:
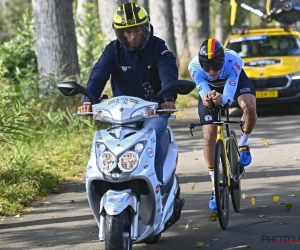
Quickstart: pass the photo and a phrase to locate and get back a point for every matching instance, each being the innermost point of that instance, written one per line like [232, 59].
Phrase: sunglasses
[216, 66]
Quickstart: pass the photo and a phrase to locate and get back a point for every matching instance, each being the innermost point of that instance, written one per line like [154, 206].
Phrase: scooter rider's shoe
[212, 203]
[245, 156]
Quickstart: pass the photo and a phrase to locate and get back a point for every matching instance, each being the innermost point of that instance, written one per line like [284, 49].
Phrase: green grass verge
[31, 170]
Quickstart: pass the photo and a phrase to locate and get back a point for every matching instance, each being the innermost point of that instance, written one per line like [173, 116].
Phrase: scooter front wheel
[117, 231]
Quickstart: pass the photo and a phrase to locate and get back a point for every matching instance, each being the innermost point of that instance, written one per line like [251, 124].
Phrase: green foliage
[10, 12]
[88, 29]
[17, 56]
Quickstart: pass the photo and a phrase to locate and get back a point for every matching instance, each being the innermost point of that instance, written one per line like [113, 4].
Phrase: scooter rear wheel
[117, 232]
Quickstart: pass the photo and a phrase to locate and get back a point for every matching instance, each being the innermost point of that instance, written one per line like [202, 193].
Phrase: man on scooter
[135, 57]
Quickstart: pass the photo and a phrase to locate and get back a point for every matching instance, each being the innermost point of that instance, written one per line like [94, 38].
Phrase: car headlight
[107, 162]
[128, 161]
[295, 76]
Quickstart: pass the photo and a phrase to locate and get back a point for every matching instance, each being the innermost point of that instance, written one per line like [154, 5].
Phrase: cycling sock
[244, 139]
[212, 177]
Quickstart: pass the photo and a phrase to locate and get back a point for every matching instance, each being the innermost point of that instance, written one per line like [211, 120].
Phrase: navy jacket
[128, 70]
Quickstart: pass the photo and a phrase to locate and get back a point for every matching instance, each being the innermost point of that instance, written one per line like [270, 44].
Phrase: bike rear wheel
[221, 185]
[233, 155]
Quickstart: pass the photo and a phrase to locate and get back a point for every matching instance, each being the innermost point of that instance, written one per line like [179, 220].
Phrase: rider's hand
[168, 105]
[217, 98]
[207, 101]
[86, 107]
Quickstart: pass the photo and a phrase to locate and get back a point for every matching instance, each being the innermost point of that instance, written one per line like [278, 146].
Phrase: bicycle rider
[220, 79]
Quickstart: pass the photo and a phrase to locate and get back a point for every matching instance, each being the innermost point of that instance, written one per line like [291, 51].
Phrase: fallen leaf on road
[213, 216]
[195, 228]
[263, 206]
[72, 201]
[199, 244]
[261, 216]
[193, 186]
[266, 143]
[288, 206]
[296, 158]
[18, 216]
[292, 195]
[196, 159]
[276, 198]
[244, 196]
[253, 200]
[29, 209]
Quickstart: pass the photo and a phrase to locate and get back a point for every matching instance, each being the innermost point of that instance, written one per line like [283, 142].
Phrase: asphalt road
[64, 220]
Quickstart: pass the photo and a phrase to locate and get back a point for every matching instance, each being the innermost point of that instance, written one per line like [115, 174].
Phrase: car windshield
[251, 46]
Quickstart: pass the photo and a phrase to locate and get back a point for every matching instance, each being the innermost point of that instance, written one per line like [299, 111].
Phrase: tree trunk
[106, 12]
[194, 22]
[219, 22]
[205, 19]
[81, 20]
[162, 20]
[55, 38]
[181, 39]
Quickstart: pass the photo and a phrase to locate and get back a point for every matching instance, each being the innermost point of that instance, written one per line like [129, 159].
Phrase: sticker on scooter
[115, 200]
[149, 152]
[157, 188]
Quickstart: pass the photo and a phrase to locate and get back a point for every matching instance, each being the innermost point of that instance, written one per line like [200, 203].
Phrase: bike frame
[221, 137]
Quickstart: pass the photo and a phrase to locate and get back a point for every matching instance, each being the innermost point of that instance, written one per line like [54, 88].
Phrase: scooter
[122, 188]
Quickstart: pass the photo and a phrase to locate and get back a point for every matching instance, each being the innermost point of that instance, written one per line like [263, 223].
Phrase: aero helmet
[131, 15]
[211, 51]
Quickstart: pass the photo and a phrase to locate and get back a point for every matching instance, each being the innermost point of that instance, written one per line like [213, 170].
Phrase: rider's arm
[167, 67]
[100, 73]
[234, 68]
[198, 76]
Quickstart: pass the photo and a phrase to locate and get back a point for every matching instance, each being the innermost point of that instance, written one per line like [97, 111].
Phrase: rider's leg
[247, 103]
[159, 124]
[245, 95]
[210, 136]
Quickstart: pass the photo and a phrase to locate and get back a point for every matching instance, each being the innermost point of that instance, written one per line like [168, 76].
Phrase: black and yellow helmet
[131, 15]
[211, 51]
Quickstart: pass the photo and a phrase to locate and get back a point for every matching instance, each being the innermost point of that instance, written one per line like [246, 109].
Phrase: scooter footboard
[114, 202]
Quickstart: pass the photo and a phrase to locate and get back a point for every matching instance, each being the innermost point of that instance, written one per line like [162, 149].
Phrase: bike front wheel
[221, 185]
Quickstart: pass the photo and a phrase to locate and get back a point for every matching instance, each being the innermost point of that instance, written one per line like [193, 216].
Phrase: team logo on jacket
[124, 68]
[232, 83]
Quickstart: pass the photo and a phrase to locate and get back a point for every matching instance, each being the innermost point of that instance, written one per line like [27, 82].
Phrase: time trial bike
[227, 170]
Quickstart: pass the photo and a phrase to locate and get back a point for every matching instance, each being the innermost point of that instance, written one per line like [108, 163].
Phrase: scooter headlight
[128, 161]
[107, 162]
[149, 111]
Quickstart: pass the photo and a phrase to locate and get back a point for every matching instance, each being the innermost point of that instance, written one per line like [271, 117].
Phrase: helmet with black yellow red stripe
[130, 16]
[211, 51]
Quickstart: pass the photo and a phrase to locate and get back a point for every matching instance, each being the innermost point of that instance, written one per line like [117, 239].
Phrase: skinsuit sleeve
[198, 76]
[234, 67]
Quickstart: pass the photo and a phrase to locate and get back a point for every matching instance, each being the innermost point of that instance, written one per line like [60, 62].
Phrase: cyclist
[135, 57]
[220, 79]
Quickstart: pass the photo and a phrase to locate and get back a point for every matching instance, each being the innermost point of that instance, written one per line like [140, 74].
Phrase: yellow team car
[271, 59]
